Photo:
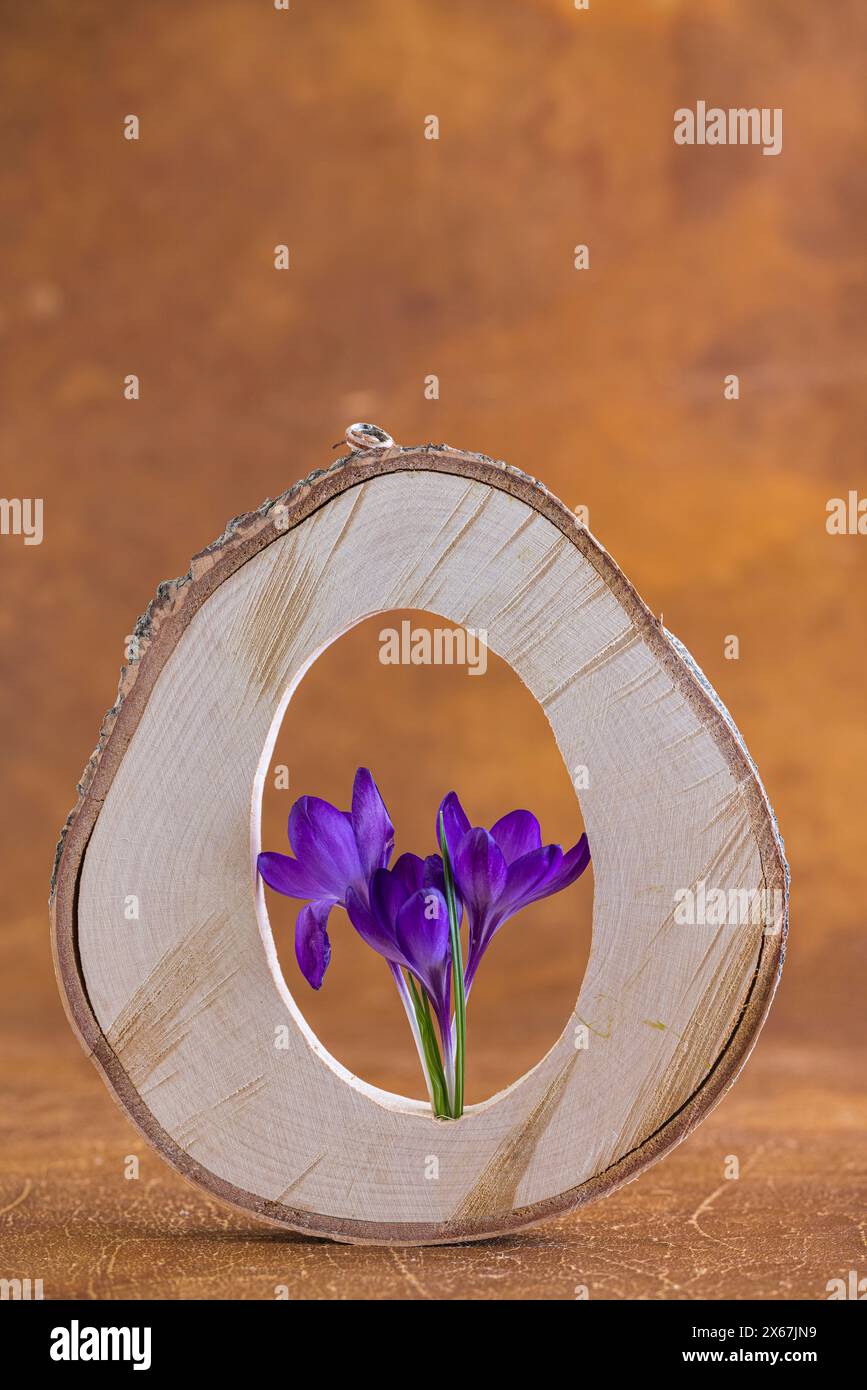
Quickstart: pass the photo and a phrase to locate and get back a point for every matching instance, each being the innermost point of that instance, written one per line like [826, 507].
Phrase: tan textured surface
[794, 1219]
[457, 257]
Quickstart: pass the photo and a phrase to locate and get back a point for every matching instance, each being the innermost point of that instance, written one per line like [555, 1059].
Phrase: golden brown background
[411, 257]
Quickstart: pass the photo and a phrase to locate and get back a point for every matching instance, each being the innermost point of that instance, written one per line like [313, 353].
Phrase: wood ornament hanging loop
[178, 1010]
[363, 436]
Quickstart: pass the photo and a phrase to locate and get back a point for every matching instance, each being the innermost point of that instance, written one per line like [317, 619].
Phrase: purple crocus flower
[501, 870]
[335, 852]
[341, 857]
[406, 920]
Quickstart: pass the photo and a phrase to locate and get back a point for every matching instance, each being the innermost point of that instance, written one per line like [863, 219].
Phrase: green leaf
[457, 976]
[431, 1049]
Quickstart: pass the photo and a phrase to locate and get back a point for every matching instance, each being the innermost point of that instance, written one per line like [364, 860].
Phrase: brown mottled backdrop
[411, 257]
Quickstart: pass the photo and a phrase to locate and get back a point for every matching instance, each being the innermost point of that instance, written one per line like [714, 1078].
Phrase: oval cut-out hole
[423, 730]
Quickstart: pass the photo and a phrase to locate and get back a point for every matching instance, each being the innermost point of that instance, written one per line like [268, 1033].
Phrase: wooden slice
[180, 1009]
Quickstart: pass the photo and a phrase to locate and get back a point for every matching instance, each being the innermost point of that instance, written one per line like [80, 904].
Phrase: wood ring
[179, 1009]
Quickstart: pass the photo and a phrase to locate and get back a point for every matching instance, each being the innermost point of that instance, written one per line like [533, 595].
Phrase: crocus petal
[435, 877]
[536, 875]
[422, 930]
[479, 870]
[324, 843]
[528, 879]
[388, 893]
[373, 929]
[525, 881]
[312, 947]
[373, 830]
[286, 875]
[434, 874]
[517, 834]
[455, 820]
[409, 871]
[574, 863]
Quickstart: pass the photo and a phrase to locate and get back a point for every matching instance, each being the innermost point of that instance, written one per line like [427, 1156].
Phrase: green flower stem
[448, 1061]
[409, 1007]
[458, 978]
[434, 1064]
